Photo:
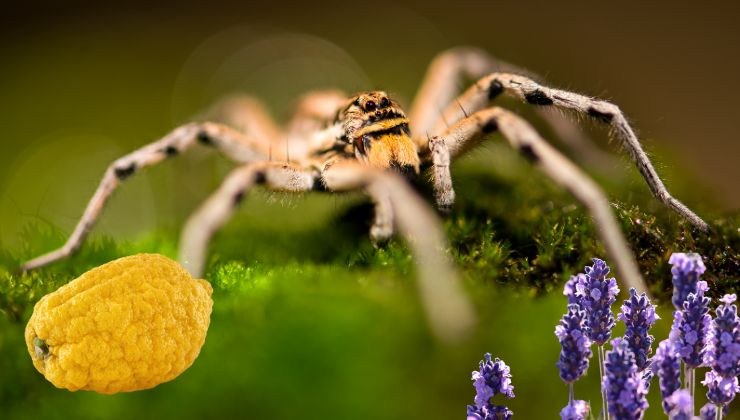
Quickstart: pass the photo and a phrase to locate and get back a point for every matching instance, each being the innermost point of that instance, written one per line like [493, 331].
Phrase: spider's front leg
[524, 138]
[221, 205]
[479, 95]
[232, 143]
[448, 310]
[441, 85]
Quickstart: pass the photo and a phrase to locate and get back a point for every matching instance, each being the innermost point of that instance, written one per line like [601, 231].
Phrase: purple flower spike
[570, 289]
[576, 410]
[639, 315]
[596, 294]
[709, 411]
[667, 364]
[683, 405]
[489, 412]
[690, 329]
[723, 348]
[493, 378]
[575, 346]
[687, 270]
[625, 391]
[720, 390]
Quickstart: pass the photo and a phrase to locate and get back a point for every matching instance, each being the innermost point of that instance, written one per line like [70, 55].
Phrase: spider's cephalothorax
[335, 143]
[378, 130]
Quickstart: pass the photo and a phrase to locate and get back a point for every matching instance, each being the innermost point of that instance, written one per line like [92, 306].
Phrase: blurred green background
[309, 320]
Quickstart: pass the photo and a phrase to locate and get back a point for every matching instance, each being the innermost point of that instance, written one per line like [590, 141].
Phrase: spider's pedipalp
[233, 144]
[448, 310]
[524, 138]
[526, 89]
[444, 194]
[220, 206]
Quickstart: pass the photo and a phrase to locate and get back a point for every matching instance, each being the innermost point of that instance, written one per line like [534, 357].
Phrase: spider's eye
[384, 102]
[370, 105]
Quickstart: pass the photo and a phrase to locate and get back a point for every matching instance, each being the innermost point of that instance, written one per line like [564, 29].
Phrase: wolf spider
[366, 142]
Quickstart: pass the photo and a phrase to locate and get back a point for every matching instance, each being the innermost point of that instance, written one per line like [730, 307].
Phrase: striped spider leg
[480, 94]
[441, 85]
[231, 143]
[254, 141]
[469, 131]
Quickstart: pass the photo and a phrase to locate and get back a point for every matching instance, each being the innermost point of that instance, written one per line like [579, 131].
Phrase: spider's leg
[382, 228]
[524, 138]
[316, 109]
[312, 126]
[526, 89]
[248, 115]
[447, 308]
[232, 143]
[442, 84]
[221, 205]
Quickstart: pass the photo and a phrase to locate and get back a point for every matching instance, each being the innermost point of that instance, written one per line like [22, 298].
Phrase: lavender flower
[687, 270]
[708, 412]
[493, 378]
[575, 410]
[623, 384]
[596, 294]
[576, 347]
[683, 405]
[691, 327]
[723, 348]
[489, 412]
[720, 390]
[639, 315]
[667, 365]
[570, 288]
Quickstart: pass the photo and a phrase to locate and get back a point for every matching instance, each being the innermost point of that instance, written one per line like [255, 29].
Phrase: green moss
[310, 318]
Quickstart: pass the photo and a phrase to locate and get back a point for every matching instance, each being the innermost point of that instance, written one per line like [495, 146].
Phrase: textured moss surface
[311, 320]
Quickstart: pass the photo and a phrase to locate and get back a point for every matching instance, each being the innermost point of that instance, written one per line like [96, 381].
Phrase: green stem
[570, 394]
[690, 384]
[604, 405]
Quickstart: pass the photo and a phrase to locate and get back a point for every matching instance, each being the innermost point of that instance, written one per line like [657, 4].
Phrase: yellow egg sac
[127, 325]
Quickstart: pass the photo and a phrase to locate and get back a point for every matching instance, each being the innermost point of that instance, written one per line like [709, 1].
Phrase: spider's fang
[537, 97]
[407, 171]
[125, 172]
[604, 117]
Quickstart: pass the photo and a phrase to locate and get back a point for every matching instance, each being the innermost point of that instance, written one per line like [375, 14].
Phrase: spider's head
[378, 130]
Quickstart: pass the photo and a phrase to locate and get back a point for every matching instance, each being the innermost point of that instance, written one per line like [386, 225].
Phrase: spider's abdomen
[379, 132]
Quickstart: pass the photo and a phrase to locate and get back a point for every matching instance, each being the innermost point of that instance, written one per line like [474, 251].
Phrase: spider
[367, 142]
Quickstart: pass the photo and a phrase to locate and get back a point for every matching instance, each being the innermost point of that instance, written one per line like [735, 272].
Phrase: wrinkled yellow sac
[127, 325]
